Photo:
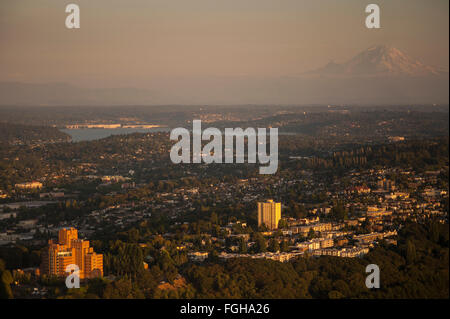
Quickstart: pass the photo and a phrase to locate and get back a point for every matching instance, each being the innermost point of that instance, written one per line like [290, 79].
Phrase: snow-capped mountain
[379, 75]
[379, 60]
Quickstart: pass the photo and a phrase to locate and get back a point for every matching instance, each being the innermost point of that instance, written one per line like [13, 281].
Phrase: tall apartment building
[269, 214]
[71, 250]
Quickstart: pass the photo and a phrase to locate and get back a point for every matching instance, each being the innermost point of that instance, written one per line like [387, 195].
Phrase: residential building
[71, 250]
[269, 214]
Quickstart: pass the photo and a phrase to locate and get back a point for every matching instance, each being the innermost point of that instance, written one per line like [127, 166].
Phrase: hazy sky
[143, 43]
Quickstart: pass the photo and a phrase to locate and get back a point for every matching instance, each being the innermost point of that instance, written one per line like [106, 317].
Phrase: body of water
[91, 134]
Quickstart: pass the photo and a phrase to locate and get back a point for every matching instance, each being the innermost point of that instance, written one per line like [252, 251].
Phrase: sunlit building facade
[71, 250]
[269, 214]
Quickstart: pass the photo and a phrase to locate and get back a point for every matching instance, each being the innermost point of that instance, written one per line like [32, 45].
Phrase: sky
[155, 44]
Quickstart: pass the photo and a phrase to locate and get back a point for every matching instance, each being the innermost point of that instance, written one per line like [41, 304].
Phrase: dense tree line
[419, 155]
[417, 267]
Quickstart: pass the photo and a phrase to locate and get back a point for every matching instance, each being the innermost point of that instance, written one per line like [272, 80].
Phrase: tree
[282, 224]
[338, 212]
[274, 246]
[284, 246]
[334, 294]
[242, 246]
[410, 252]
[260, 243]
[122, 289]
[133, 235]
[214, 218]
[5, 284]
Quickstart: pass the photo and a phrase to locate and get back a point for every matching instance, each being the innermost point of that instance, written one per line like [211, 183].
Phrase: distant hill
[24, 134]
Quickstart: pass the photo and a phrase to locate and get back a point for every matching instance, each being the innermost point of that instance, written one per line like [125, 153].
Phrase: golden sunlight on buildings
[269, 214]
[71, 250]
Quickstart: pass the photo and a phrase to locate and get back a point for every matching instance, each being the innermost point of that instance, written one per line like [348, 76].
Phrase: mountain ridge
[376, 61]
[377, 75]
